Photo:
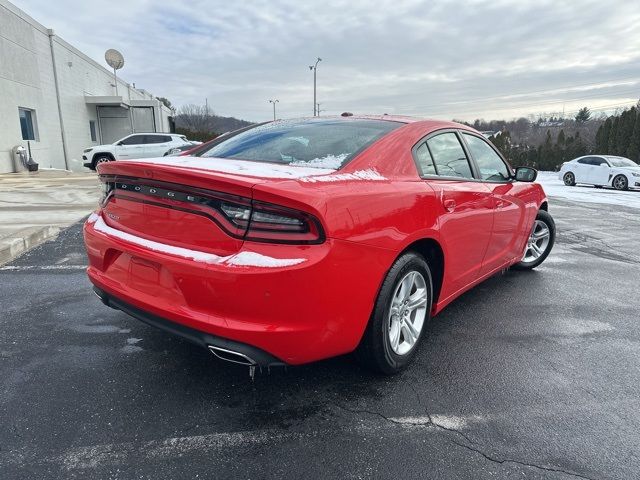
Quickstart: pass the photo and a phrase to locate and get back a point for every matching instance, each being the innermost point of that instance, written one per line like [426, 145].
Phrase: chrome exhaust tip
[231, 356]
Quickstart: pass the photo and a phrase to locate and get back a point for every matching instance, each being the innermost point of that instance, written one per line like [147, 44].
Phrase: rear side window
[491, 166]
[319, 143]
[425, 162]
[448, 156]
[157, 139]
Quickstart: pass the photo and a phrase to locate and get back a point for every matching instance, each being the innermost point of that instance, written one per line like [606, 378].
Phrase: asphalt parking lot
[529, 375]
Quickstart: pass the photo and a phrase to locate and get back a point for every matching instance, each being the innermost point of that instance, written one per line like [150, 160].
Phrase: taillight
[266, 222]
[240, 217]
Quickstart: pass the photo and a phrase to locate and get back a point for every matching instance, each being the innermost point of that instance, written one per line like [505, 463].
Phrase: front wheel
[400, 316]
[540, 242]
[100, 159]
[620, 182]
[569, 179]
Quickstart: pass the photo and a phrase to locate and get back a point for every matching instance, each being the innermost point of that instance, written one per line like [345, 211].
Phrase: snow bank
[242, 259]
[240, 167]
[554, 187]
[369, 174]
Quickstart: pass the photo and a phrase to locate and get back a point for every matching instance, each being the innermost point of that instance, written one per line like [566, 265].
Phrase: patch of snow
[252, 259]
[241, 259]
[555, 187]
[369, 174]
[450, 422]
[128, 349]
[238, 167]
[330, 161]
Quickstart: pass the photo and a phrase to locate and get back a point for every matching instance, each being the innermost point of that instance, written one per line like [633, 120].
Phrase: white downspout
[55, 81]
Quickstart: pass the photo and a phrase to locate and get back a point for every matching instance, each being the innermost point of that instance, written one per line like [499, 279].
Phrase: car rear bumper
[316, 309]
[254, 355]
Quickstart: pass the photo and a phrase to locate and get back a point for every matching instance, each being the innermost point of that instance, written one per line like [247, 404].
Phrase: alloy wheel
[538, 242]
[620, 182]
[408, 312]
[569, 179]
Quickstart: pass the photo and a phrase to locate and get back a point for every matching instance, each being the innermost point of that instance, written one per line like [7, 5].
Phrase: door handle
[500, 204]
[449, 204]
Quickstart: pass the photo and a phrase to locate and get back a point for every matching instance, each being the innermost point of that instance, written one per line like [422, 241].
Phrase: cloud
[441, 59]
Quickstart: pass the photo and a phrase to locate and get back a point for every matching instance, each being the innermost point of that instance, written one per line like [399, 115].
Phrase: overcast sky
[443, 59]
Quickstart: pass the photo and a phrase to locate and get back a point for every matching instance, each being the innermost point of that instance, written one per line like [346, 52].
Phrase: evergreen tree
[602, 137]
[633, 151]
[584, 114]
[613, 137]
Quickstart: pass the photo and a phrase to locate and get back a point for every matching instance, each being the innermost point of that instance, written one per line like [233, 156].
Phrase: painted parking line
[21, 268]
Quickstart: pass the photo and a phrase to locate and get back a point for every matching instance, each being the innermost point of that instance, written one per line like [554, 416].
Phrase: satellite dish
[114, 59]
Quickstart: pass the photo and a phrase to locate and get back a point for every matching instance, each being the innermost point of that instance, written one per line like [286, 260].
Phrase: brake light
[240, 217]
[266, 222]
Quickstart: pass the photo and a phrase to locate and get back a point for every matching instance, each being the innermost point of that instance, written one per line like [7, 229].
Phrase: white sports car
[601, 171]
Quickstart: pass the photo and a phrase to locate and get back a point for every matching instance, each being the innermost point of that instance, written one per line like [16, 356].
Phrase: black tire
[620, 182]
[569, 179]
[546, 218]
[375, 351]
[100, 159]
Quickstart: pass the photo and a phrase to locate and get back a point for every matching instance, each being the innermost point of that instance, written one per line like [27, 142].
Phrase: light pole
[315, 69]
[274, 107]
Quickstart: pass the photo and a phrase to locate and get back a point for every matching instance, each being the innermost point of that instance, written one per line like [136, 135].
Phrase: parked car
[137, 145]
[201, 149]
[180, 149]
[601, 171]
[300, 240]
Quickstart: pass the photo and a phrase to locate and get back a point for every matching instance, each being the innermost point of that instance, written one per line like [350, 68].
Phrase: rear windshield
[319, 143]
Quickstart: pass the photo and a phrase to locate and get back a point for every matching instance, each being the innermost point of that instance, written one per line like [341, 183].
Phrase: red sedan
[299, 240]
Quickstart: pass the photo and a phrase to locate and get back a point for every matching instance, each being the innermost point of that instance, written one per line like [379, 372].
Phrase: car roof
[431, 124]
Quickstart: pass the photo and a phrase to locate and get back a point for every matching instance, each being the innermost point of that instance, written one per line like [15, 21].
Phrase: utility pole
[274, 107]
[315, 69]
[318, 108]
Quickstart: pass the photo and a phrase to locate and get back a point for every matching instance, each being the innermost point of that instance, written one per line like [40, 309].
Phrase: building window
[27, 123]
[92, 129]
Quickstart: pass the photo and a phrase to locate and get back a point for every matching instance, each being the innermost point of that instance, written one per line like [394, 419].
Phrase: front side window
[491, 166]
[448, 156]
[133, 140]
[27, 123]
[318, 143]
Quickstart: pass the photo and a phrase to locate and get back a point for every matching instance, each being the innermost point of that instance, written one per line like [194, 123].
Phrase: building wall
[28, 54]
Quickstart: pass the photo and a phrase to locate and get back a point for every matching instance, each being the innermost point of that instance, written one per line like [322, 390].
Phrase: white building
[60, 100]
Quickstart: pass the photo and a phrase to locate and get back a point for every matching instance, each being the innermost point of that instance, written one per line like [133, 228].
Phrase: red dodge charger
[299, 240]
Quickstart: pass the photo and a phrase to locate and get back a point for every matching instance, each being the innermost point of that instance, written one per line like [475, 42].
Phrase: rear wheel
[620, 182]
[569, 179]
[100, 159]
[540, 242]
[400, 316]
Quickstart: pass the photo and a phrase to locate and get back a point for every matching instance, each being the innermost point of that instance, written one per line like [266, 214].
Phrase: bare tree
[197, 118]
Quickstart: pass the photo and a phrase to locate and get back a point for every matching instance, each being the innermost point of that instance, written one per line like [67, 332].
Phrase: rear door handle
[500, 204]
[449, 204]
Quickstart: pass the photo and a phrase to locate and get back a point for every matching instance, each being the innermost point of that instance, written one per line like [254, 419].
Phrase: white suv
[137, 145]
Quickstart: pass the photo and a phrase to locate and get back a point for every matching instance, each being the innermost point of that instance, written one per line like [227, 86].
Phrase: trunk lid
[188, 202]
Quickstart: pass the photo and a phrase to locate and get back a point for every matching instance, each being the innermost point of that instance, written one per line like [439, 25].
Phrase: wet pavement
[529, 375]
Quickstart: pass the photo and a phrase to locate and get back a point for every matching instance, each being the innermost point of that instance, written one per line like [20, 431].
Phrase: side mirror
[526, 174]
[119, 144]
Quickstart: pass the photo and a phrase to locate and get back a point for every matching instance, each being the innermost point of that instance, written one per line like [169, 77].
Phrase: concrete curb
[17, 243]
